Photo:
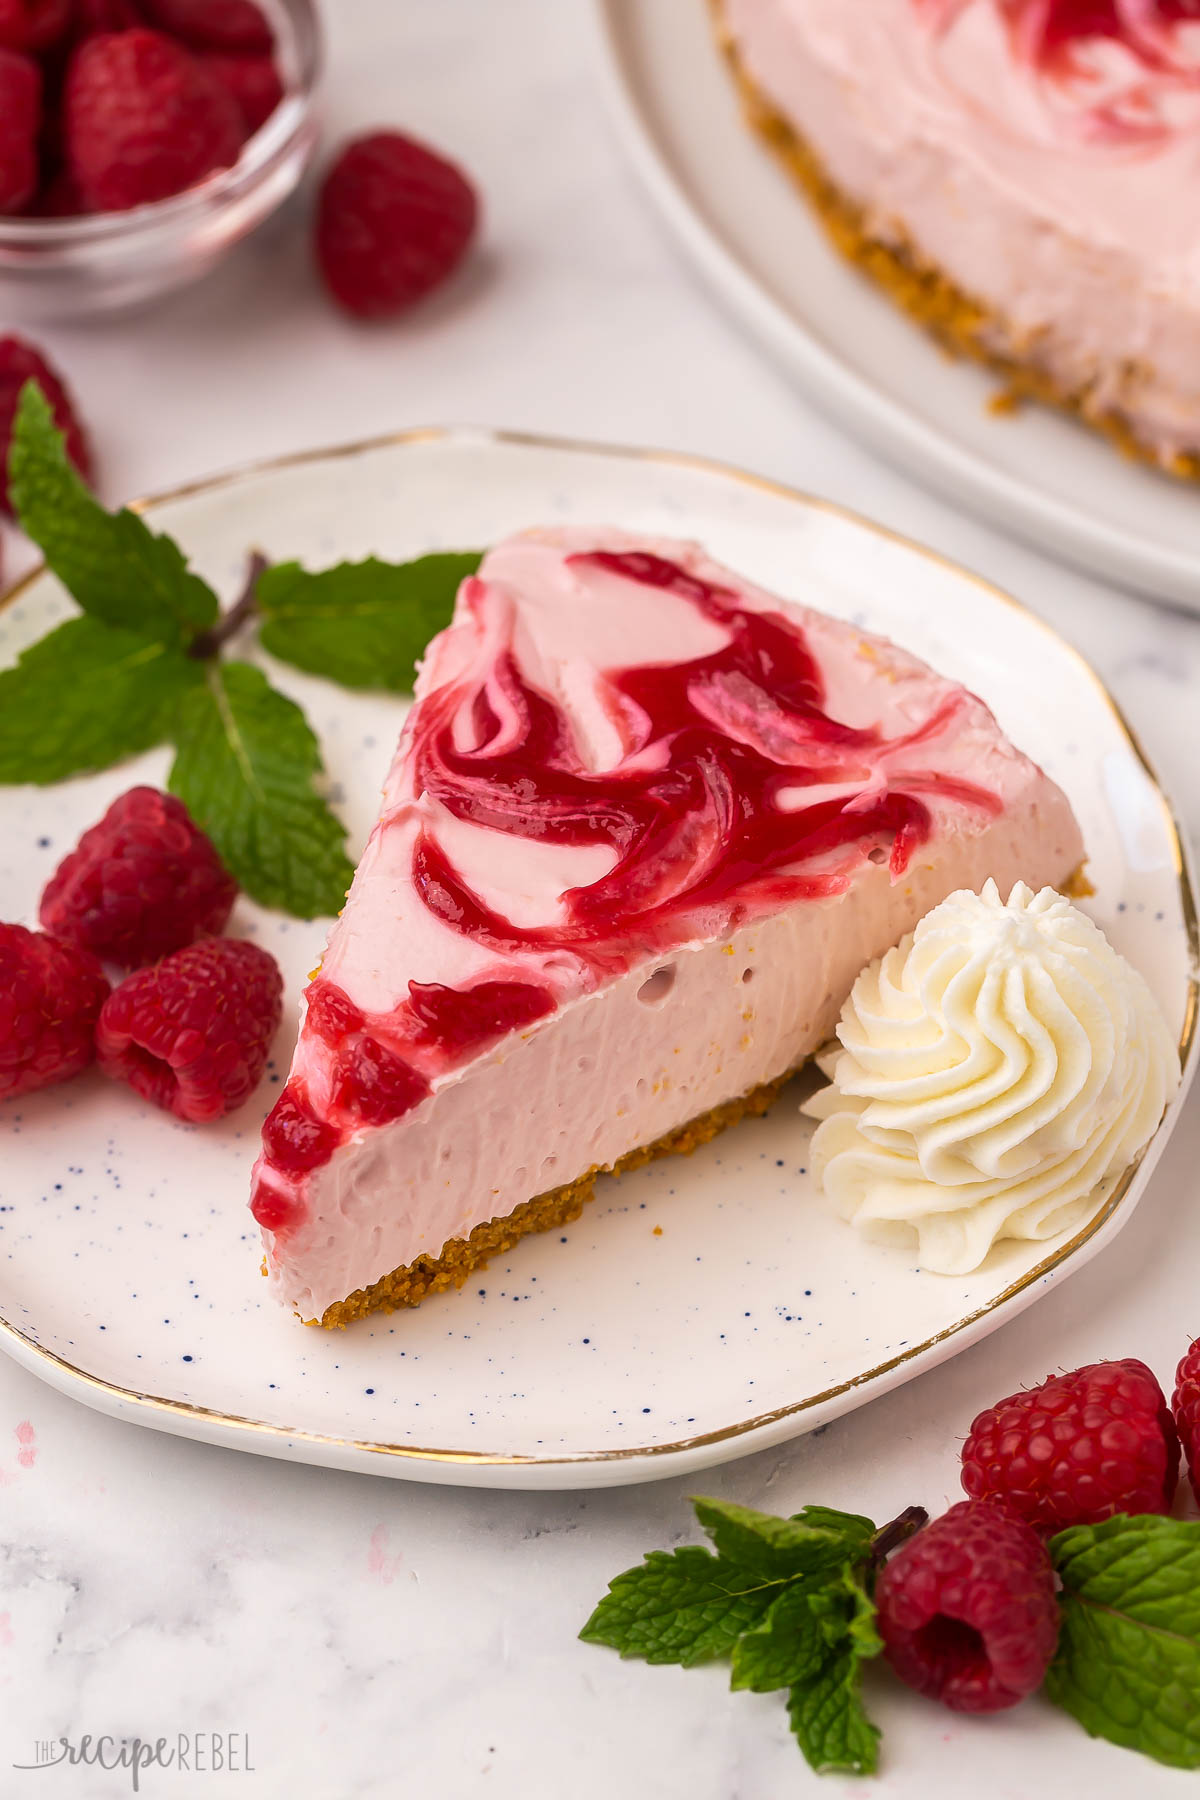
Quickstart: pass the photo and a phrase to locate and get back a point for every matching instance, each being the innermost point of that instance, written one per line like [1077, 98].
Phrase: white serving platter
[611, 1352]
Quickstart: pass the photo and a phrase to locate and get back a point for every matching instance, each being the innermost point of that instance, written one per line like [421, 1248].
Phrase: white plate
[750, 232]
[129, 1265]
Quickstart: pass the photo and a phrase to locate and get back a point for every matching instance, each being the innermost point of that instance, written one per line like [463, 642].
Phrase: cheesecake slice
[645, 825]
[1020, 175]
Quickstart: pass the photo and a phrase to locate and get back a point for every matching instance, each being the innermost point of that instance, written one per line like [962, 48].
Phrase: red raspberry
[57, 198]
[192, 1033]
[95, 16]
[393, 221]
[50, 999]
[143, 119]
[21, 362]
[141, 883]
[1077, 1449]
[967, 1609]
[293, 1139]
[236, 25]
[34, 25]
[254, 82]
[1186, 1406]
[20, 116]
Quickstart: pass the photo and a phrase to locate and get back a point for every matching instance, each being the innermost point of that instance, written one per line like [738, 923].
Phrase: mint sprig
[788, 1600]
[362, 624]
[112, 564]
[1128, 1661]
[88, 695]
[144, 666]
[245, 767]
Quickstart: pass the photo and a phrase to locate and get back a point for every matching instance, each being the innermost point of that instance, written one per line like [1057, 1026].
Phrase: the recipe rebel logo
[190, 1753]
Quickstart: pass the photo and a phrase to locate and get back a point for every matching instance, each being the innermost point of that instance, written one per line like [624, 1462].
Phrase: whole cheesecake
[645, 825]
[1022, 175]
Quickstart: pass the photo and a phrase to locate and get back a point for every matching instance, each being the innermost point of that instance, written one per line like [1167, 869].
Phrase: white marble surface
[373, 1638]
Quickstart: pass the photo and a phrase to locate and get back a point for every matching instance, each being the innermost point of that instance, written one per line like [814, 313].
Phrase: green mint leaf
[1128, 1661]
[362, 624]
[857, 1529]
[805, 1623]
[86, 696]
[777, 1549]
[680, 1606]
[793, 1642]
[826, 1711]
[245, 768]
[112, 564]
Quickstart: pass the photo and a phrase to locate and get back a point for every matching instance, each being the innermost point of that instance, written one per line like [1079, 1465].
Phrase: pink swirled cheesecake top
[618, 749]
[1111, 71]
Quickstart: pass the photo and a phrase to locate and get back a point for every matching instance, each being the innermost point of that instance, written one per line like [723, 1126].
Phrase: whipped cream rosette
[998, 1070]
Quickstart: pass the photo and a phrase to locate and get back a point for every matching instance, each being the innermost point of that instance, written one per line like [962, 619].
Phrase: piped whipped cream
[997, 1071]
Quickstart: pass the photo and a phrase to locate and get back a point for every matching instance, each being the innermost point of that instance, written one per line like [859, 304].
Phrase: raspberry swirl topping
[1122, 72]
[615, 753]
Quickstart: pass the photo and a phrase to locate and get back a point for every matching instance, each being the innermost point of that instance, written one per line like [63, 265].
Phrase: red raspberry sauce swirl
[693, 812]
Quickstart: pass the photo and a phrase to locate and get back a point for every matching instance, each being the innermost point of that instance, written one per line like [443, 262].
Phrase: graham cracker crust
[410, 1284]
[960, 324]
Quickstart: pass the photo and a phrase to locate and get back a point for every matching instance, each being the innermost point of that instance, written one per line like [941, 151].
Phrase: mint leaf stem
[210, 643]
[902, 1527]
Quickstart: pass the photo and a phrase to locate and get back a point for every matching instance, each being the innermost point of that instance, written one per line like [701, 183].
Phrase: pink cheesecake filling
[645, 825]
[1043, 154]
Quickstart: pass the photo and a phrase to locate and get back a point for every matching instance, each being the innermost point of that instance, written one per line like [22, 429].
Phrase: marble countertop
[372, 1638]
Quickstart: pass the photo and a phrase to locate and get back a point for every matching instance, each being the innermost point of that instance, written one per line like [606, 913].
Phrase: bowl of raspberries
[141, 139]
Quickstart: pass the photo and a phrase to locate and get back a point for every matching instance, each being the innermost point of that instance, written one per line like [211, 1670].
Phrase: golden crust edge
[460, 1257]
[919, 288]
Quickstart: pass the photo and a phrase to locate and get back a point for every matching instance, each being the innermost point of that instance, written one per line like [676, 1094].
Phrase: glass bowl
[79, 268]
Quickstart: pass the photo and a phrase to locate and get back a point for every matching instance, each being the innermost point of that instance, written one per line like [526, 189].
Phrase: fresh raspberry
[20, 116]
[235, 25]
[143, 119]
[254, 82]
[33, 25]
[1077, 1449]
[50, 999]
[95, 16]
[393, 221]
[57, 198]
[141, 883]
[192, 1033]
[967, 1610]
[1186, 1406]
[20, 362]
[294, 1139]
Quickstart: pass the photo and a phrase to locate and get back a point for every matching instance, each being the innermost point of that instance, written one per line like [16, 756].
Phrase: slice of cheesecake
[645, 825]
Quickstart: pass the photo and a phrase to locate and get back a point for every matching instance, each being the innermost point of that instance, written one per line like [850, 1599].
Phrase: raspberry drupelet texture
[34, 25]
[20, 362]
[143, 882]
[1186, 1406]
[144, 119]
[20, 118]
[235, 25]
[254, 82]
[50, 999]
[967, 1609]
[1077, 1449]
[192, 1034]
[394, 220]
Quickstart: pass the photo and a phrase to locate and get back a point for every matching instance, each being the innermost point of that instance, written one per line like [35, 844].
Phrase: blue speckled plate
[701, 1308]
